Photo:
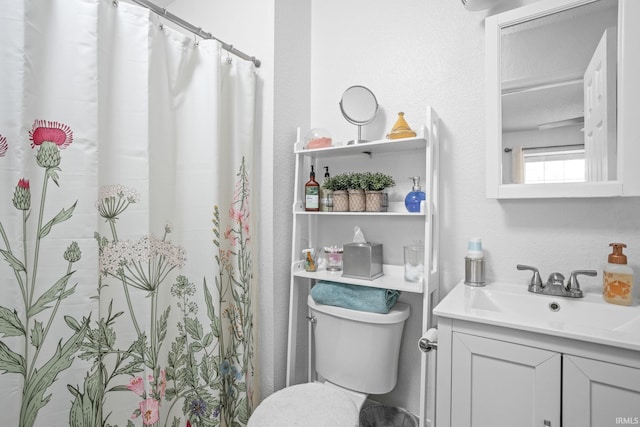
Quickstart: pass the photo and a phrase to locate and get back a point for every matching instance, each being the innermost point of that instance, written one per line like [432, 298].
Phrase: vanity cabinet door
[500, 384]
[597, 393]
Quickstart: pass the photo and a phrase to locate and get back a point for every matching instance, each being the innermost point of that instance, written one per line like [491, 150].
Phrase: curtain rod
[162, 11]
[509, 149]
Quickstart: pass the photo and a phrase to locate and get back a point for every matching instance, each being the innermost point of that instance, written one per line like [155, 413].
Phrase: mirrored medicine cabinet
[563, 100]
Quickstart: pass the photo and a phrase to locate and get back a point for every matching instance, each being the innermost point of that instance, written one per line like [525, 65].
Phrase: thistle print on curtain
[38, 307]
[205, 373]
[126, 228]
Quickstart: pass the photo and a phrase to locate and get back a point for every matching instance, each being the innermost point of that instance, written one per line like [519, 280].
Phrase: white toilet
[356, 353]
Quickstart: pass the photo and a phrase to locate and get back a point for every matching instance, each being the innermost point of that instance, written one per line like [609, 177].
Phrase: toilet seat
[306, 405]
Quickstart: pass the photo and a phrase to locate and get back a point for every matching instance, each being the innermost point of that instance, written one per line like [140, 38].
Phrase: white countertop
[511, 305]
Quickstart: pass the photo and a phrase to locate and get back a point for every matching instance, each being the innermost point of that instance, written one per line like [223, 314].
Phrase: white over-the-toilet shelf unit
[402, 159]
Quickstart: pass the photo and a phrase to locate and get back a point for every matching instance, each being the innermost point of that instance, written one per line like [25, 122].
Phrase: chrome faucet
[555, 283]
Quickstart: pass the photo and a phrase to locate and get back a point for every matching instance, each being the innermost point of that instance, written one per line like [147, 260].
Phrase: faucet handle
[536, 282]
[573, 286]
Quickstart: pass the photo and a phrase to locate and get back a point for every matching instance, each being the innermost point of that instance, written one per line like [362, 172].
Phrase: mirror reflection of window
[553, 164]
[542, 68]
[557, 135]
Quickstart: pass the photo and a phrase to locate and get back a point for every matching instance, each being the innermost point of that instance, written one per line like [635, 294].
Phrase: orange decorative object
[318, 138]
[318, 143]
[401, 129]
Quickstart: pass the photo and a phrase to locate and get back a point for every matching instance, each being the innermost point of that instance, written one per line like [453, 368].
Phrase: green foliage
[63, 215]
[376, 181]
[34, 392]
[11, 361]
[10, 324]
[86, 408]
[357, 181]
[51, 295]
[372, 181]
[338, 182]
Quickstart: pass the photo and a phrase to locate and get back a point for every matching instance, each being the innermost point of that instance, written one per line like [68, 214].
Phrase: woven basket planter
[340, 201]
[374, 201]
[357, 201]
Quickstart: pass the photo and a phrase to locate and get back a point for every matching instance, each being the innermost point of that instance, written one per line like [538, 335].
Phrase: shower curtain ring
[163, 15]
[229, 49]
[114, 3]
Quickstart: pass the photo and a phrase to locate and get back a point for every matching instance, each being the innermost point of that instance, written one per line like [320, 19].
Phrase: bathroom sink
[511, 305]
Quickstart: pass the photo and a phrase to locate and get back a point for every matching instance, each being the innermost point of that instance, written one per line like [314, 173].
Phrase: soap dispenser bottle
[617, 277]
[474, 263]
[312, 193]
[326, 195]
[415, 197]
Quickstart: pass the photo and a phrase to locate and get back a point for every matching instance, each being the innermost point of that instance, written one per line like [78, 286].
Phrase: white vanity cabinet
[497, 383]
[597, 393]
[400, 158]
[493, 376]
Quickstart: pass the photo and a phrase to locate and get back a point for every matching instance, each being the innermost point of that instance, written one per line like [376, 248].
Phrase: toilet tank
[358, 350]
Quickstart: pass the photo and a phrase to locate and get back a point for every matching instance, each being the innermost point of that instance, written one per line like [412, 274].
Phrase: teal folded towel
[354, 297]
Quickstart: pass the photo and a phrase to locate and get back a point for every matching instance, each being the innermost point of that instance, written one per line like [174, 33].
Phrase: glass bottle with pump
[312, 193]
[415, 197]
[326, 196]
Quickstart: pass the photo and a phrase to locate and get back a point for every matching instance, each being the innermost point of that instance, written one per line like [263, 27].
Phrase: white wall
[420, 52]
[411, 54]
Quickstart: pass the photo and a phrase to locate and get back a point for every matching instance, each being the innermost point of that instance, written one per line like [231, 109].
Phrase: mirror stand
[359, 140]
[359, 106]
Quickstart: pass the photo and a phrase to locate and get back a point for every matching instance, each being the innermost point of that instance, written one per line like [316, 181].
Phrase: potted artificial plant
[374, 183]
[338, 185]
[357, 185]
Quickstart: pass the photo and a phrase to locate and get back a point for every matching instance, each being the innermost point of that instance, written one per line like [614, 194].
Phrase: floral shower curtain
[127, 261]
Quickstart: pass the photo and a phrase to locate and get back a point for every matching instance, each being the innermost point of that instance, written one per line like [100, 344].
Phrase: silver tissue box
[362, 260]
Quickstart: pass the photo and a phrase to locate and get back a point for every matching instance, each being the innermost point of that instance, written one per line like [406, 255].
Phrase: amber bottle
[312, 193]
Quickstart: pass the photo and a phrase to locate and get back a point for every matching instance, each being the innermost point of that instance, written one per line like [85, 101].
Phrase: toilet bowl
[356, 354]
[307, 405]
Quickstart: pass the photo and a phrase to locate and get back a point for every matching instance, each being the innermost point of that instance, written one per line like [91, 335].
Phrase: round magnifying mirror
[359, 106]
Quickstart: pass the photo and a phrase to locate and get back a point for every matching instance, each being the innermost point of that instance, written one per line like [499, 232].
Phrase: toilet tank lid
[397, 314]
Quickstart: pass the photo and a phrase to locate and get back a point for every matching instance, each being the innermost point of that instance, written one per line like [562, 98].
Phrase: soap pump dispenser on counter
[415, 197]
[617, 277]
[474, 263]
